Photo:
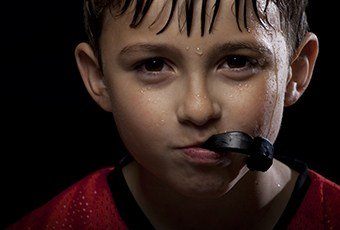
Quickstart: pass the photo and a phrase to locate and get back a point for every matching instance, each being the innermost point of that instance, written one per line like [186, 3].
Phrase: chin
[202, 188]
[208, 185]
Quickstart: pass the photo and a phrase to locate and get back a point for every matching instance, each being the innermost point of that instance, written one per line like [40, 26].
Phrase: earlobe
[302, 68]
[92, 75]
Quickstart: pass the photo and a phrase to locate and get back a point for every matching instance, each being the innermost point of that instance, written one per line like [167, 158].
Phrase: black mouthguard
[259, 150]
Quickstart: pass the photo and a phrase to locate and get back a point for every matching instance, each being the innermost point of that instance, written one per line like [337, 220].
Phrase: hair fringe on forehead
[142, 7]
[292, 15]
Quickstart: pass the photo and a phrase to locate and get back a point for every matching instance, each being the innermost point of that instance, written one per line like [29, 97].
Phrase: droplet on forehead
[187, 48]
[199, 51]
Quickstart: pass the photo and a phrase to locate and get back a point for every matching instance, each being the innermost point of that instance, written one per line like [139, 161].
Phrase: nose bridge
[197, 94]
[197, 105]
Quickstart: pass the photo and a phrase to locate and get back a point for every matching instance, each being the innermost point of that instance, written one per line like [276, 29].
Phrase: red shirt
[89, 204]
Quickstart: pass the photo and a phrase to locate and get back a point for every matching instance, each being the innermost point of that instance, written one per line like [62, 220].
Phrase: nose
[197, 107]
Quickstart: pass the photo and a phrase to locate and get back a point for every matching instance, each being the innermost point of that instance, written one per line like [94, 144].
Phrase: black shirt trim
[301, 187]
[127, 206]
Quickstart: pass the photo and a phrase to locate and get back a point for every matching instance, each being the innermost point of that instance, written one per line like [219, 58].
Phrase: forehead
[225, 28]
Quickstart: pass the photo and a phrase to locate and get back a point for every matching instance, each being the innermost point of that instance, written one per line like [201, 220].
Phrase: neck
[256, 199]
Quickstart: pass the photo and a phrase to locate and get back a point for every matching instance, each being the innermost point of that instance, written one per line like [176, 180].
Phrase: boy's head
[169, 92]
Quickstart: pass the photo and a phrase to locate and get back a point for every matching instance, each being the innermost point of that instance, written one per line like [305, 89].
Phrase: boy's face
[193, 90]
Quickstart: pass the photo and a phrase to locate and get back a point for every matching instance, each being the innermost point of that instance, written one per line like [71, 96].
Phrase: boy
[219, 67]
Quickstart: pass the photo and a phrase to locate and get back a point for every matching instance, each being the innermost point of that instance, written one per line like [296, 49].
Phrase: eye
[153, 70]
[240, 67]
[155, 64]
[239, 62]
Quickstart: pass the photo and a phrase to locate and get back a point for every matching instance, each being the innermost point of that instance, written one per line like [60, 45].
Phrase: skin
[192, 97]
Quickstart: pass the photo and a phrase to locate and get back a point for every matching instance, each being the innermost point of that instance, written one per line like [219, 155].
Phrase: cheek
[253, 106]
[140, 115]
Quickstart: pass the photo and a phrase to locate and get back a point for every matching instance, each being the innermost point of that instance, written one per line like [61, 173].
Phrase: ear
[92, 75]
[302, 68]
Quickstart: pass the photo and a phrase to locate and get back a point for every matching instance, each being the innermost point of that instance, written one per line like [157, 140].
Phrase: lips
[198, 155]
[201, 153]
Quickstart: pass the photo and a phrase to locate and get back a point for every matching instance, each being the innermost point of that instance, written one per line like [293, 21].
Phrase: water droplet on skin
[161, 122]
[187, 48]
[142, 91]
[278, 185]
[199, 51]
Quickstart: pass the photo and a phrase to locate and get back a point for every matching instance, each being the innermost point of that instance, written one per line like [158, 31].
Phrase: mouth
[258, 150]
[204, 157]
[197, 154]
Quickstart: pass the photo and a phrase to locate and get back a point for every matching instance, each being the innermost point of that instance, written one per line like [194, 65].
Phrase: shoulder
[87, 203]
[320, 208]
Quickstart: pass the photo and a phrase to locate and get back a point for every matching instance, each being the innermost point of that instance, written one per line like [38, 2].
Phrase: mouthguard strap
[259, 150]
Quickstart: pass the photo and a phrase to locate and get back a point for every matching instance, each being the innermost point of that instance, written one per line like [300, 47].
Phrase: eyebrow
[147, 47]
[229, 47]
[218, 48]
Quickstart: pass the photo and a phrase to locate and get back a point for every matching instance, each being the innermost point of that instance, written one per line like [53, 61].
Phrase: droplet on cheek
[242, 86]
[161, 122]
[143, 90]
[153, 100]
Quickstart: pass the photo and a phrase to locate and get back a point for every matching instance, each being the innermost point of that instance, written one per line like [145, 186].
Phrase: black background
[53, 134]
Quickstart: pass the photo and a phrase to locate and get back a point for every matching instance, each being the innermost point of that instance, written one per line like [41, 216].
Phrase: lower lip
[202, 156]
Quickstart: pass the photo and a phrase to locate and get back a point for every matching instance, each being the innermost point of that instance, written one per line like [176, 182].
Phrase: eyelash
[252, 64]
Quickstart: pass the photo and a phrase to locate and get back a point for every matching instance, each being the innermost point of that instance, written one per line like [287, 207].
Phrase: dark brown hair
[292, 16]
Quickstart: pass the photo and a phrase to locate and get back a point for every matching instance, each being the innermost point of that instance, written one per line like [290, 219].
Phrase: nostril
[199, 115]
